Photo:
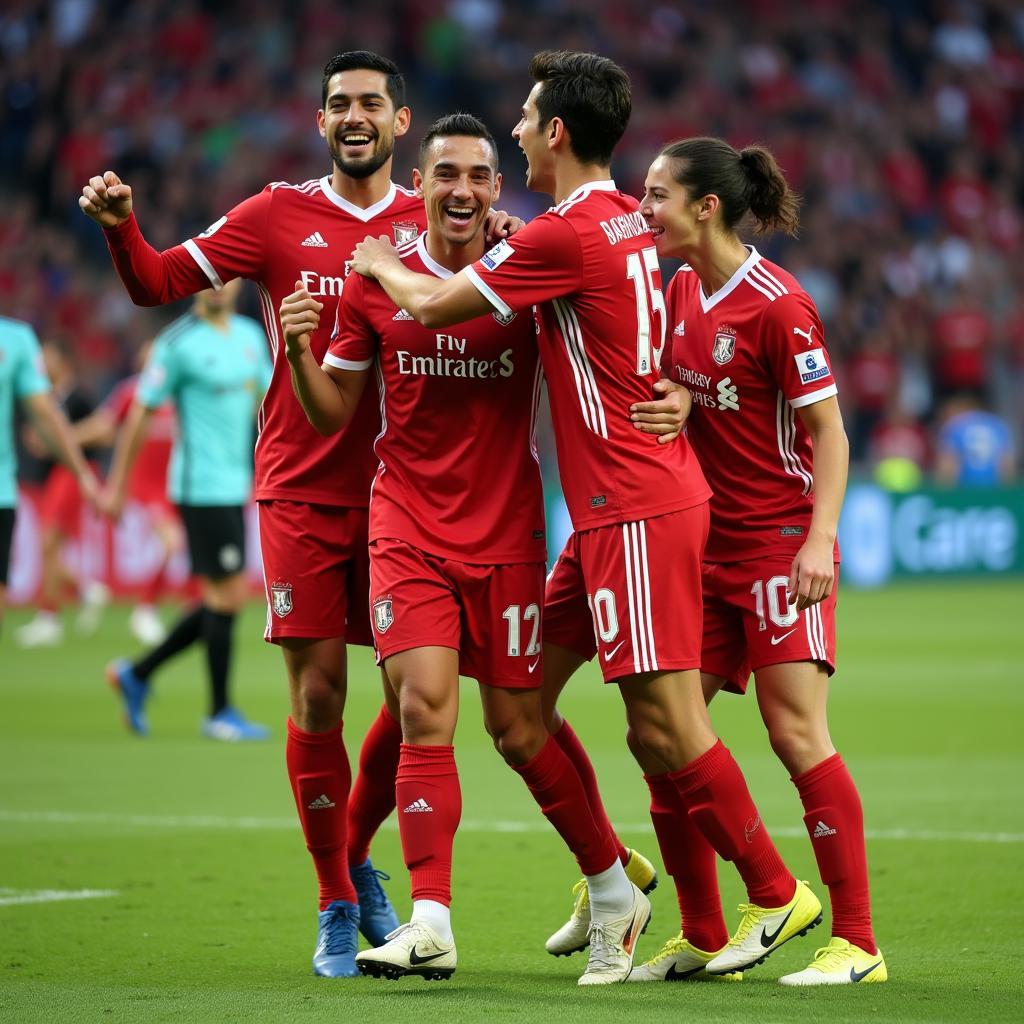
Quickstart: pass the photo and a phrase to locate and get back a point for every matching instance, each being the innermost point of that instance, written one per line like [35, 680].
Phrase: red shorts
[61, 502]
[316, 570]
[631, 591]
[749, 625]
[490, 614]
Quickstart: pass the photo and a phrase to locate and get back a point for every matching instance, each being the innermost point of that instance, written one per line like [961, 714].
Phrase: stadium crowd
[902, 126]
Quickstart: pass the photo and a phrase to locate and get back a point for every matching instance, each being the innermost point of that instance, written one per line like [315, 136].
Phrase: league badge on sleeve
[383, 614]
[812, 366]
[281, 598]
[724, 348]
[493, 258]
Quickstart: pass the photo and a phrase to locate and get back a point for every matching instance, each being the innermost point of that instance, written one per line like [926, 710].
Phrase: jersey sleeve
[541, 262]
[30, 374]
[353, 340]
[235, 245]
[159, 379]
[794, 348]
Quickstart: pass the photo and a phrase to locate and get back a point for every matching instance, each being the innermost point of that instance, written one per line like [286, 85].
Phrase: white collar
[709, 302]
[358, 212]
[428, 261]
[602, 185]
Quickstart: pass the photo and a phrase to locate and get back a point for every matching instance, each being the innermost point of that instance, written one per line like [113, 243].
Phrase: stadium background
[901, 123]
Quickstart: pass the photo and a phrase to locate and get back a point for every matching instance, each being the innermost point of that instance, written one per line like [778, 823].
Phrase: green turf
[214, 914]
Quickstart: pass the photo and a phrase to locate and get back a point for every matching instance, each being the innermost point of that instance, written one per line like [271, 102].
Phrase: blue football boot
[133, 692]
[337, 941]
[377, 916]
[231, 726]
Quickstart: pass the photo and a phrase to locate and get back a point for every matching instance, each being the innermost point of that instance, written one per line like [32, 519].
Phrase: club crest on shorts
[724, 348]
[404, 230]
[281, 598]
[383, 614]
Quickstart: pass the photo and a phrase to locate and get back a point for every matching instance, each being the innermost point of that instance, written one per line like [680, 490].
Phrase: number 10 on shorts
[780, 611]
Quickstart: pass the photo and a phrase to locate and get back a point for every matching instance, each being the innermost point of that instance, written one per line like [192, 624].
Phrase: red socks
[556, 786]
[570, 745]
[715, 793]
[429, 803]
[835, 823]
[690, 860]
[320, 777]
[373, 795]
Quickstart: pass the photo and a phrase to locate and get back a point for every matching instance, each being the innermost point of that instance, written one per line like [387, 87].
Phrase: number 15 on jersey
[642, 269]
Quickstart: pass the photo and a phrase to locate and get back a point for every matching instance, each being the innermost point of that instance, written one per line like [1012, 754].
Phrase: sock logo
[751, 827]
[419, 806]
[821, 830]
[322, 803]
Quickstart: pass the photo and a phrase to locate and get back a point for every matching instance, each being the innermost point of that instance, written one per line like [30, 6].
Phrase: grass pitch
[211, 912]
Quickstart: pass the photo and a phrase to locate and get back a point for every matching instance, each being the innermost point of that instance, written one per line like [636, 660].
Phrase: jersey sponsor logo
[383, 614]
[451, 361]
[318, 284]
[811, 366]
[213, 228]
[404, 231]
[281, 598]
[680, 329]
[725, 346]
[493, 258]
[728, 395]
[805, 334]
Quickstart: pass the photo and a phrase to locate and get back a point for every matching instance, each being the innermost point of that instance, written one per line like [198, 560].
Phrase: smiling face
[360, 122]
[533, 141]
[677, 221]
[459, 183]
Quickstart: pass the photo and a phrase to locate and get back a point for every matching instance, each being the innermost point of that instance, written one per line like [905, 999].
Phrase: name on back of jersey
[625, 226]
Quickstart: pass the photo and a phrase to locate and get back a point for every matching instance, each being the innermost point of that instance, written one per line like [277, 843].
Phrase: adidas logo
[418, 807]
[316, 240]
[821, 830]
[321, 803]
[402, 315]
[680, 328]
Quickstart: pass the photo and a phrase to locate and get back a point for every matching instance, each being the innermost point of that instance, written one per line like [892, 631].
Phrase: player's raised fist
[300, 317]
[107, 199]
[369, 254]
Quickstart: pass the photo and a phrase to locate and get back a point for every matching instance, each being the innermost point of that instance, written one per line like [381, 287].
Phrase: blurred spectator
[975, 446]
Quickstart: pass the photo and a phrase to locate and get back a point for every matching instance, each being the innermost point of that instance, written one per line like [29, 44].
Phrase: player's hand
[89, 488]
[300, 317]
[812, 574]
[107, 200]
[370, 253]
[666, 416]
[110, 502]
[499, 225]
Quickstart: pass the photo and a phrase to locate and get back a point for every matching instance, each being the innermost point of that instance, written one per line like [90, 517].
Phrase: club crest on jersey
[725, 347]
[502, 319]
[281, 598]
[405, 231]
[383, 614]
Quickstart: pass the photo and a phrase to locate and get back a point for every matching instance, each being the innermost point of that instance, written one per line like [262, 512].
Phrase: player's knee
[518, 740]
[798, 744]
[649, 739]
[318, 700]
[422, 718]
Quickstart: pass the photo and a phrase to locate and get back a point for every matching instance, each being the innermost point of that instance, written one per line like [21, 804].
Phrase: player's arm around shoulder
[328, 395]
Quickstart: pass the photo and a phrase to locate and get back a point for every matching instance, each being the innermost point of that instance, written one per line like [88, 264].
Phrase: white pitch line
[211, 821]
[15, 897]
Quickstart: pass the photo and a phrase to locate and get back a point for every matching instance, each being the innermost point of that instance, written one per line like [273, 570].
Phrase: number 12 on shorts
[780, 611]
[518, 620]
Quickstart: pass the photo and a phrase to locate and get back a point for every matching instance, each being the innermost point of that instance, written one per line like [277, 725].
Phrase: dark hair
[749, 180]
[590, 94]
[457, 124]
[365, 60]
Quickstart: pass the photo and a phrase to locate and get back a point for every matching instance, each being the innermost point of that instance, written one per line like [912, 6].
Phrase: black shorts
[216, 539]
[7, 517]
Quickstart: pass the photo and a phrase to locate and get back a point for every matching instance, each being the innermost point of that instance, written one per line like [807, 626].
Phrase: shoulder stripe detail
[205, 265]
[785, 436]
[586, 385]
[770, 296]
[769, 278]
[567, 204]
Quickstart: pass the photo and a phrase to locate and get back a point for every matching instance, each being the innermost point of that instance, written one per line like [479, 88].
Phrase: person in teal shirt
[22, 378]
[214, 366]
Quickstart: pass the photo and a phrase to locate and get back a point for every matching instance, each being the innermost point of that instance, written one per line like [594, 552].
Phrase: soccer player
[456, 550]
[23, 378]
[312, 491]
[639, 508]
[213, 365]
[748, 343]
[147, 485]
[60, 518]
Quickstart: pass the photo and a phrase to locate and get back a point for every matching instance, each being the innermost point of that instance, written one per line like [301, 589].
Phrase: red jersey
[751, 355]
[459, 474]
[286, 233]
[149, 473]
[591, 267]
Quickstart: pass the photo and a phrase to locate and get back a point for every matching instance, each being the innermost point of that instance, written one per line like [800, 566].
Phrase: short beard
[364, 167]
